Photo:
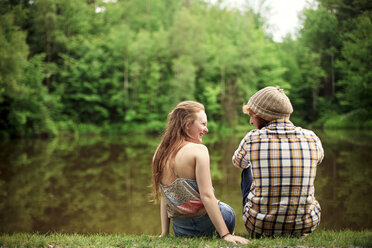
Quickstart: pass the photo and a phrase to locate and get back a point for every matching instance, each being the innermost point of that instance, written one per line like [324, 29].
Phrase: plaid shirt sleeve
[320, 149]
[241, 157]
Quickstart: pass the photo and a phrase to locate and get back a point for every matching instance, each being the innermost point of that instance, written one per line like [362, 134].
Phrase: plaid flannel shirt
[283, 159]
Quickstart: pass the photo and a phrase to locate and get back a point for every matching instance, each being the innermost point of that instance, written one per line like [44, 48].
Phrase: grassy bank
[317, 239]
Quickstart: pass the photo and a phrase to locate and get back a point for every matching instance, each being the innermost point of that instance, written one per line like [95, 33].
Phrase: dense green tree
[24, 101]
[84, 85]
[13, 57]
[70, 65]
[316, 55]
[31, 111]
[356, 66]
[333, 35]
[320, 35]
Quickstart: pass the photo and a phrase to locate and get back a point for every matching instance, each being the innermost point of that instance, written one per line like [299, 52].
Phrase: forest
[92, 66]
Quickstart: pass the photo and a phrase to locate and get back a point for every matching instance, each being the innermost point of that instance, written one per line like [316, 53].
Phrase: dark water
[100, 184]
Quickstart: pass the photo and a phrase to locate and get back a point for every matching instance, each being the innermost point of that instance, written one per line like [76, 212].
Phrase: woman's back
[179, 184]
[184, 164]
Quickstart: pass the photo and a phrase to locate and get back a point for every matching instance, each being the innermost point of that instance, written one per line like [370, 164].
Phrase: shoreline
[320, 238]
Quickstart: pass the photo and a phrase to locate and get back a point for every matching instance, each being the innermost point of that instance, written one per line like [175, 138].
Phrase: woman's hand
[163, 235]
[236, 239]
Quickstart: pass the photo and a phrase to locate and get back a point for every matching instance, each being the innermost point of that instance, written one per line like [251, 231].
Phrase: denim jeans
[246, 183]
[202, 225]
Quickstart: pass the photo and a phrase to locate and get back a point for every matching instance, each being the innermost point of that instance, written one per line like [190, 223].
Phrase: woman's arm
[204, 180]
[164, 218]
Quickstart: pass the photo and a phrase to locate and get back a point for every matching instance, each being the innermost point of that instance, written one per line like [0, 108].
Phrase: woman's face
[198, 128]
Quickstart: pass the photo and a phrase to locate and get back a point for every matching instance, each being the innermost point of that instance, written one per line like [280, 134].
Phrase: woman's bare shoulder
[195, 148]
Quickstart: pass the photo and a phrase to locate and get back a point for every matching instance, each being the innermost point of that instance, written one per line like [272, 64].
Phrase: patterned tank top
[182, 197]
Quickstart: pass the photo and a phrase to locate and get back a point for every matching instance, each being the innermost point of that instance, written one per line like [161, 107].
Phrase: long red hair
[172, 139]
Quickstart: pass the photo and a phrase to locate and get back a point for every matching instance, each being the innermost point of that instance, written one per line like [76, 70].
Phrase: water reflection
[100, 184]
[343, 184]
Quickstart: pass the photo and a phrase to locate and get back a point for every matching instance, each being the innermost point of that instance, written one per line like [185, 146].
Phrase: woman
[181, 170]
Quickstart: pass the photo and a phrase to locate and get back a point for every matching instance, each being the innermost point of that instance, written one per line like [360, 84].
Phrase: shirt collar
[279, 122]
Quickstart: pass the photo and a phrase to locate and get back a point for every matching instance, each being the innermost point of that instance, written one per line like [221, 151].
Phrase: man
[279, 162]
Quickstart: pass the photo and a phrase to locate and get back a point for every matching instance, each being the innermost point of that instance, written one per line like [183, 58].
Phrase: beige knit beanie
[270, 103]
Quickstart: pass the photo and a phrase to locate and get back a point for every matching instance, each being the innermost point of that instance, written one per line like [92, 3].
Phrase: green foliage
[24, 102]
[127, 63]
[330, 65]
[30, 110]
[13, 57]
[356, 66]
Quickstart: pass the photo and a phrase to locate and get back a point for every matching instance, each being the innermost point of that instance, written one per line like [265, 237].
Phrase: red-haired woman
[181, 171]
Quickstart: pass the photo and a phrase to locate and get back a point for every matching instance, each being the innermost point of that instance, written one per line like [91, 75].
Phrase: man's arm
[320, 150]
[241, 157]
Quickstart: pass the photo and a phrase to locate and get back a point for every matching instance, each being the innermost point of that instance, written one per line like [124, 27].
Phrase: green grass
[319, 238]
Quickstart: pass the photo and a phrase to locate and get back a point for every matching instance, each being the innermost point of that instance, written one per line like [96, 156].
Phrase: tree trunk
[187, 4]
[68, 39]
[126, 76]
[49, 54]
[230, 102]
[148, 14]
[223, 82]
[333, 91]
[315, 97]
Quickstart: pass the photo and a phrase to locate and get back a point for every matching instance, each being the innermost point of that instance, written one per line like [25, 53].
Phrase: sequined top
[182, 197]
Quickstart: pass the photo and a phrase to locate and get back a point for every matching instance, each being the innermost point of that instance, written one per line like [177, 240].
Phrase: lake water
[101, 184]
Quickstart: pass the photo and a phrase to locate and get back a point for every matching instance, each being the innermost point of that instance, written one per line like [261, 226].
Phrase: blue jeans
[202, 225]
[246, 183]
